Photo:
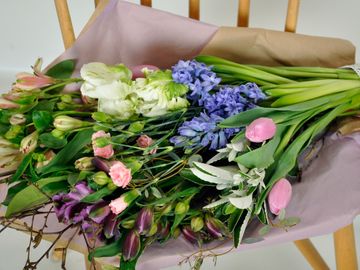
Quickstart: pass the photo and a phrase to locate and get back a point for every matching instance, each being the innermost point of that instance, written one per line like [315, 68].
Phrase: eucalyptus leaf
[242, 202]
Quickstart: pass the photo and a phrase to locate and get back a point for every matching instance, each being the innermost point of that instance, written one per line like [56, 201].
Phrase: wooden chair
[344, 240]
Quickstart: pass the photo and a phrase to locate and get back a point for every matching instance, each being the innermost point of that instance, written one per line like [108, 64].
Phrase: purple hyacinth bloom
[197, 76]
[202, 131]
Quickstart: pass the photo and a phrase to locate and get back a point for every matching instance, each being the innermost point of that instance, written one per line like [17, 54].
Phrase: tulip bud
[101, 178]
[13, 132]
[260, 130]
[128, 224]
[29, 143]
[163, 231]
[131, 246]
[17, 119]
[181, 208]
[101, 164]
[166, 209]
[176, 233]
[67, 123]
[84, 164]
[214, 227]
[144, 220]
[279, 196]
[190, 235]
[101, 117]
[197, 223]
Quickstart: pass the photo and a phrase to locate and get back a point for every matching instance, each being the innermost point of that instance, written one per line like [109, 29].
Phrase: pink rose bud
[118, 205]
[138, 71]
[106, 151]
[145, 141]
[260, 130]
[120, 174]
[279, 196]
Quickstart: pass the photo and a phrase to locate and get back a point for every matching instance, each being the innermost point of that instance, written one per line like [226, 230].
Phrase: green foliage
[62, 70]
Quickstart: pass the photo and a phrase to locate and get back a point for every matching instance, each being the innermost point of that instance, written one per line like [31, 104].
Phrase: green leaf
[189, 176]
[234, 219]
[45, 105]
[174, 196]
[42, 120]
[262, 157]
[48, 140]
[66, 155]
[241, 226]
[62, 70]
[13, 191]
[96, 196]
[32, 196]
[291, 221]
[22, 167]
[109, 250]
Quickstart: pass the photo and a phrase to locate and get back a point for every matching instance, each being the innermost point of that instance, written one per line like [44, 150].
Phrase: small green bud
[66, 123]
[181, 208]
[229, 209]
[153, 229]
[13, 132]
[84, 164]
[101, 178]
[66, 98]
[136, 127]
[197, 223]
[58, 133]
[128, 224]
[62, 106]
[29, 143]
[102, 141]
[17, 119]
[166, 210]
[101, 117]
[176, 233]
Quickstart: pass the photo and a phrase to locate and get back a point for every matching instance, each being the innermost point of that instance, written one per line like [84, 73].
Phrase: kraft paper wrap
[326, 199]
[274, 48]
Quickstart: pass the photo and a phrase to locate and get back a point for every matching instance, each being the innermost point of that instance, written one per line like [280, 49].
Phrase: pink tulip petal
[260, 130]
[279, 196]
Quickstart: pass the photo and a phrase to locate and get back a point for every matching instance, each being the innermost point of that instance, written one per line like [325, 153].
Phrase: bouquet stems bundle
[136, 158]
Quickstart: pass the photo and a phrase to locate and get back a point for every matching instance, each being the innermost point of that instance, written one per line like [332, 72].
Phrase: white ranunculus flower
[121, 108]
[102, 81]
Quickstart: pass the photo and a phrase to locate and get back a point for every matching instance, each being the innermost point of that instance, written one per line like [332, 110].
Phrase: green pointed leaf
[62, 70]
[22, 168]
[96, 196]
[42, 120]
[109, 250]
[48, 140]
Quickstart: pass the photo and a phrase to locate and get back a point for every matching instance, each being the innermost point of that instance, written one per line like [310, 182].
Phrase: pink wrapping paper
[326, 199]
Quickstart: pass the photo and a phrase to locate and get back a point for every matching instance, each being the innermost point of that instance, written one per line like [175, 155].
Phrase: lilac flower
[197, 76]
[202, 131]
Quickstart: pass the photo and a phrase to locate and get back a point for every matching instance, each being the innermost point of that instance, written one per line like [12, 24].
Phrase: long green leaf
[22, 168]
[62, 70]
[109, 250]
[67, 154]
[96, 196]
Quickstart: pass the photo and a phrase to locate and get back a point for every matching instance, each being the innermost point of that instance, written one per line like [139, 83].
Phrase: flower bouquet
[144, 155]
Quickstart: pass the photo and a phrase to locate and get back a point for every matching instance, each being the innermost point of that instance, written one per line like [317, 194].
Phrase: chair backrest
[67, 29]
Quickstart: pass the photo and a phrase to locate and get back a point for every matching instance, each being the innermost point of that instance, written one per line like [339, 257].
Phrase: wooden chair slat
[66, 26]
[243, 13]
[147, 3]
[292, 15]
[194, 9]
[97, 2]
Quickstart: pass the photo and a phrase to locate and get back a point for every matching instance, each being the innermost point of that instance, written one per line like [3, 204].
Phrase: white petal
[224, 174]
[241, 202]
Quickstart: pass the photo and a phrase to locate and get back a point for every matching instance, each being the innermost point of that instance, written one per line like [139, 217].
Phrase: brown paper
[275, 48]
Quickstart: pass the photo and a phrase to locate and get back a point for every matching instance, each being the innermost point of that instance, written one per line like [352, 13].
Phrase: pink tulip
[120, 174]
[138, 73]
[27, 81]
[260, 130]
[279, 196]
[104, 152]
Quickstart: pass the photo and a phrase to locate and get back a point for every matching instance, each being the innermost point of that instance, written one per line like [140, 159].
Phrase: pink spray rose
[260, 130]
[279, 196]
[145, 141]
[138, 73]
[118, 205]
[120, 174]
[104, 152]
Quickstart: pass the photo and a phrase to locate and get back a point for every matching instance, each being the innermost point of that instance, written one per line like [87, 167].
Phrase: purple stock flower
[202, 131]
[197, 76]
